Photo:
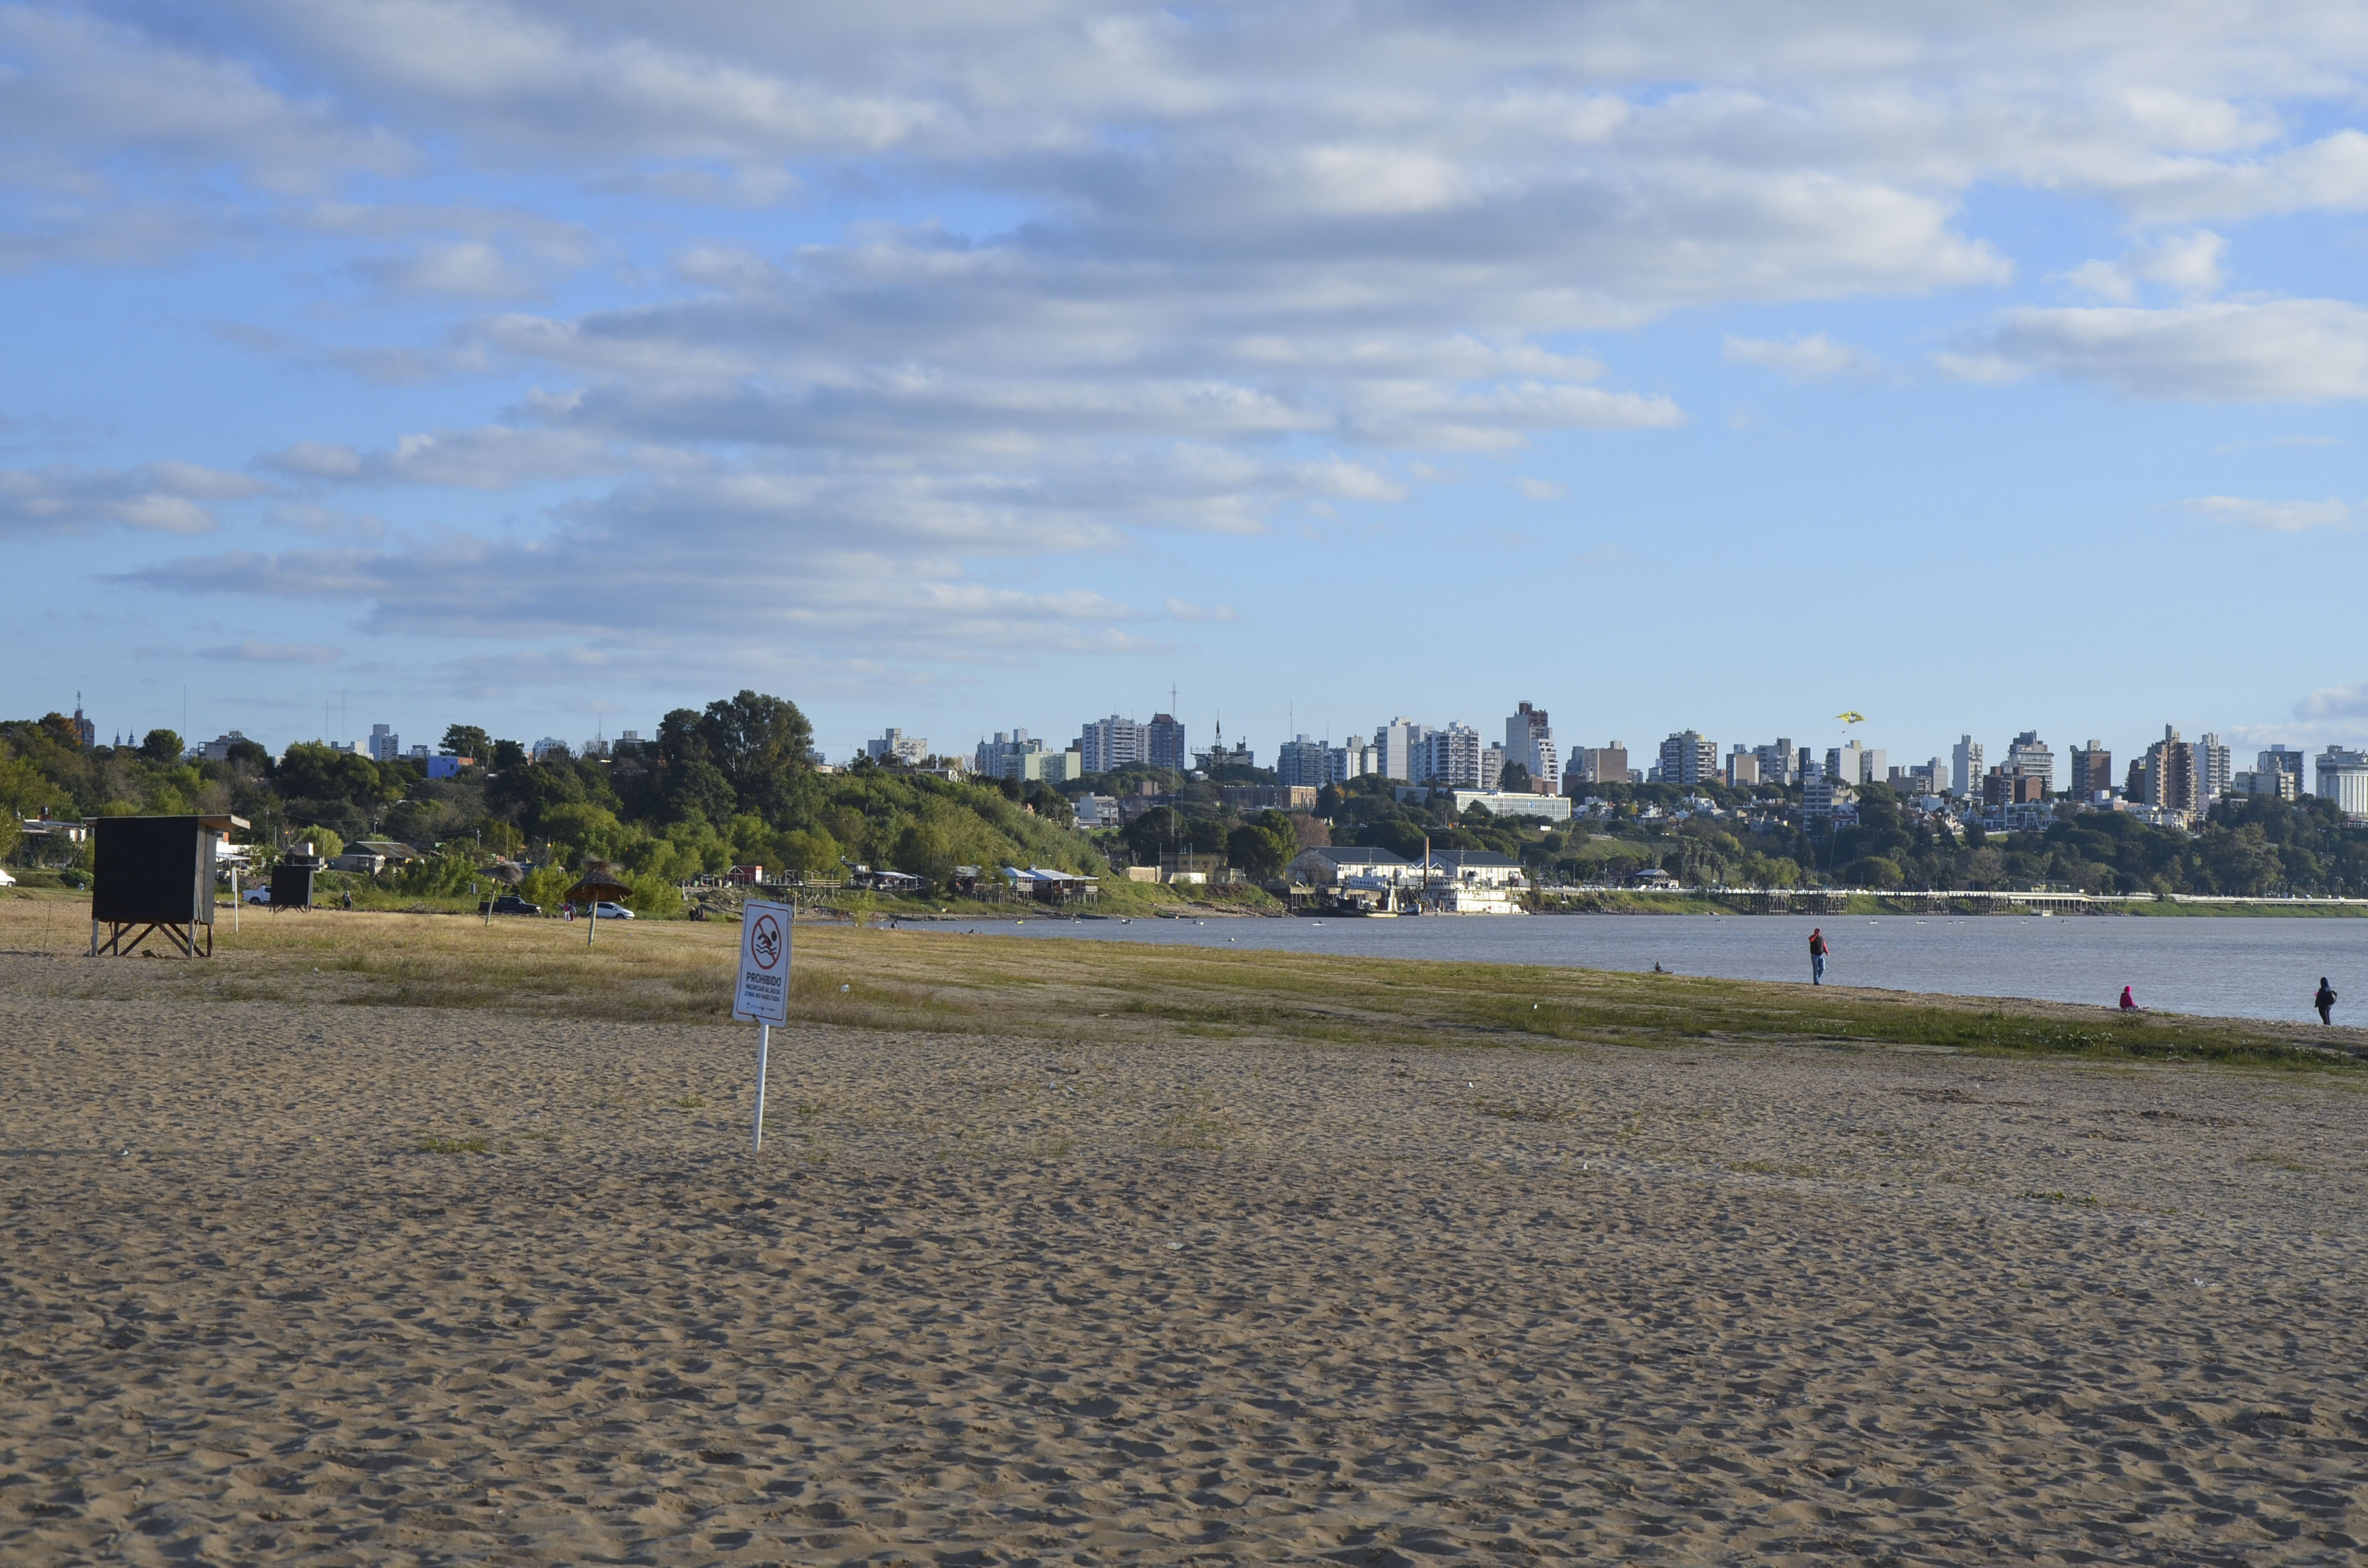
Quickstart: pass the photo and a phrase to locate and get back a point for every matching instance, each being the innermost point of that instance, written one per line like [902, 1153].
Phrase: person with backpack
[2325, 1001]
[1817, 951]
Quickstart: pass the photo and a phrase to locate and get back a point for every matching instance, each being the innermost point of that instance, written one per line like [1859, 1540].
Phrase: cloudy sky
[547, 366]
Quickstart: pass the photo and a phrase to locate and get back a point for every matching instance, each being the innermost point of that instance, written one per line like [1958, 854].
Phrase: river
[2261, 968]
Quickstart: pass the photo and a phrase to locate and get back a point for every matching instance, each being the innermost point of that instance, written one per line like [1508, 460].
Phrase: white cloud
[2336, 702]
[2275, 517]
[1815, 358]
[2189, 265]
[1539, 489]
[252, 653]
[163, 497]
[2284, 350]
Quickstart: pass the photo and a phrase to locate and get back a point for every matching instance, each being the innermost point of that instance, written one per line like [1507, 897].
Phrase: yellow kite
[1851, 717]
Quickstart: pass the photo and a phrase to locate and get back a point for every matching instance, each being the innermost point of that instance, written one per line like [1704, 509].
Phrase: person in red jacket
[1817, 951]
[2129, 1002]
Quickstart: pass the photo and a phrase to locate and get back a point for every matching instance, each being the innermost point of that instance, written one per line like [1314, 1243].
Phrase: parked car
[256, 895]
[510, 903]
[608, 911]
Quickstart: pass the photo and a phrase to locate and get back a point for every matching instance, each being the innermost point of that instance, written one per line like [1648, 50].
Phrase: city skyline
[1312, 361]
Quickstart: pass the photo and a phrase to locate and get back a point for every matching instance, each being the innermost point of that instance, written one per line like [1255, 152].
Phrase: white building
[2030, 756]
[1001, 758]
[1964, 765]
[1512, 804]
[1450, 759]
[385, 746]
[2344, 778]
[1095, 811]
[1529, 741]
[895, 745]
[1106, 743]
[1354, 760]
[1687, 758]
[1779, 763]
[2211, 774]
[547, 746]
[1395, 744]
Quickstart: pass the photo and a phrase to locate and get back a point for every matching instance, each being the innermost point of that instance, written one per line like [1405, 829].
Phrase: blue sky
[547, 366]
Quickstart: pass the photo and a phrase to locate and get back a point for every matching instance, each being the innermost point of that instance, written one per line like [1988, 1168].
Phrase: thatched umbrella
[599, 881]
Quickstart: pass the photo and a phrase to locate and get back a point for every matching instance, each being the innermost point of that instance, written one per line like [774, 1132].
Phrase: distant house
[885, 882]
[1048, 886]
[1477, 868]
[1332, 865]
[1652, 879]
[448, 766]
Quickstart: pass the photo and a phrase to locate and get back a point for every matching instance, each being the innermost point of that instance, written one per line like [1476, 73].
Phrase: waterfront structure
[1112, 742]
[2092, 772]
[1964, 765]
[895, 745]
[2030, 756]
[1163, 742]
[2344, 778]
[1687, 758]
[2170, 782]
[1528, 740]
[2212, 774]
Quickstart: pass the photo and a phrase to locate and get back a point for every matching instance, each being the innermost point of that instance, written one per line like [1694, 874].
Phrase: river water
[2262, 968]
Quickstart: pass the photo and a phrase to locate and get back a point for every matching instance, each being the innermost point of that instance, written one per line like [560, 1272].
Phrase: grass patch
[456, 1145]
[1081, 993]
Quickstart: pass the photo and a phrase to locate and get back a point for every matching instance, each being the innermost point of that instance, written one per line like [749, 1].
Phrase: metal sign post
[760, 994]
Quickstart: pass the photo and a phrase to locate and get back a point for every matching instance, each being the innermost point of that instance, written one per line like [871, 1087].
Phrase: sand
[371, 1285]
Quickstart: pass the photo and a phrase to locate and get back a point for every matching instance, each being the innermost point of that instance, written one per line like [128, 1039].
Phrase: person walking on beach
[1817, 951]
[2129, 1002]
[2325, 1001]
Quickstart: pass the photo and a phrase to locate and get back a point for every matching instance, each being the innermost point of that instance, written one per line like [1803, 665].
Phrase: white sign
[761, 994]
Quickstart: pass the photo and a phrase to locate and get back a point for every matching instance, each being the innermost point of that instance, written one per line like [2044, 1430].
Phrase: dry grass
[940, 983]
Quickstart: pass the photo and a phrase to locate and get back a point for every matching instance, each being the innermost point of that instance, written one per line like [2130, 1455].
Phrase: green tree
[756, 740]
[1516, 778]
[1262, 848]
[509, 753]
[161, 747]
[468, 740]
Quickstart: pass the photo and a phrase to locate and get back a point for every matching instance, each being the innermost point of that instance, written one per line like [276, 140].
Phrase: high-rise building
[1395, 744]
[1163, 742]
[1853, 764]
[1687, 758]
[2282, 759]
[1112, 742]
[2031, 757]
[2170, 782]
[1742, 767]
[1779, 763]
[2211, 769]
[1528, 740]
[897, 746]
[1002, 757]
[2093, 771]
[385, 746]
[1596, 764]
[1304, 762]
[1353, 760]
[1492, 767]
[2344, 778]
[1450, 759]
[1964, 765]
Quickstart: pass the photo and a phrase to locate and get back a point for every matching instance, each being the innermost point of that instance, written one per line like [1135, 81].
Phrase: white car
[608, 911]
[256, 895]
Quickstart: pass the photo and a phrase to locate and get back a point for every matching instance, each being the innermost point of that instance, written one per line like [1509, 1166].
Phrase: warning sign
[761, 994]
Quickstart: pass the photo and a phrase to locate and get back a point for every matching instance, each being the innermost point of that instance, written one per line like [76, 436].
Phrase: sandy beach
[309, 1282]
